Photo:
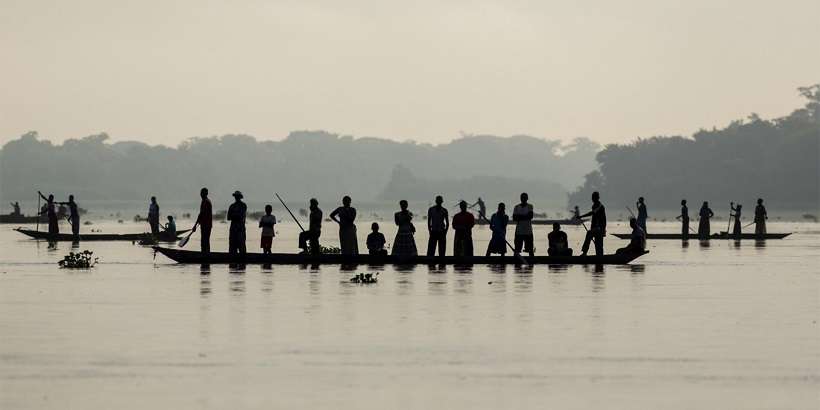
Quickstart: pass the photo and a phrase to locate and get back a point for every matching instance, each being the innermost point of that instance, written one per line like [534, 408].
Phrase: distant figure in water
[311, 236]
[736, 230]
[760, 218]
[438, 222]
[482, 209]
[376, 241]
[642, 215]
[405, 243]
[236, 233]
[705, 214]
[597, 227]
[153, 215]
[205, 221]
[266, 222]
[171, 227]
[637, 240]
[73, 216]
[51, 213]
[498, 226]
[576, 213]
[522, 215]
[16, 206]
[558, 244]
[345, 216]
[684, 219]
[463, 223]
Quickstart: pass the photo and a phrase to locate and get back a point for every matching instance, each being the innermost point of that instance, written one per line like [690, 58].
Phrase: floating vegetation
[79, 260]
[365, 278]
[331, 250]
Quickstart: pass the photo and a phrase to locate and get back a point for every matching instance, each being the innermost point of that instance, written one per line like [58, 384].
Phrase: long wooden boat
[196, 257]
[695, 237]
[540, 221]
[21, 219]
[67, 237]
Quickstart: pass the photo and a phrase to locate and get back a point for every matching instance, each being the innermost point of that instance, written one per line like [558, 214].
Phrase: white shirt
[522, 227]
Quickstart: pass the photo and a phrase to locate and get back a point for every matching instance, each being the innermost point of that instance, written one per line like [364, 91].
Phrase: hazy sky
[163, 71]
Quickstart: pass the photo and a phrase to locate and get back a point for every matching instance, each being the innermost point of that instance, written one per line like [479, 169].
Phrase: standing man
[684, 219]
[437, 224]
[153, 216]
[51, 212]
[597, 227]
[314, 230]
[642, 215]
[522, 215]
[760, 218]
[205, 221]
[73, 216]
[16, 206]
[482, 208]
[236, 214]
[463, 223]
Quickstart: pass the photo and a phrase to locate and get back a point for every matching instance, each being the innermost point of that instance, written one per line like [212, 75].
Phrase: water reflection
[760, 243]
[205, 286]
[705, 243]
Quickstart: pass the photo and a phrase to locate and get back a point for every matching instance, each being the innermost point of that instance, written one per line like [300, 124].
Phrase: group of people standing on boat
[50, 209]
[706, 214]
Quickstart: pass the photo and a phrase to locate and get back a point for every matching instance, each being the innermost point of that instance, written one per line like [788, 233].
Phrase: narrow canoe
[67, 237]
[21, 219]
[694, 237]
[540, 221]
[195, 257]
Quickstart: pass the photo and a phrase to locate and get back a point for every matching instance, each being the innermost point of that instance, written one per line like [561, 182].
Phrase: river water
[724, 326]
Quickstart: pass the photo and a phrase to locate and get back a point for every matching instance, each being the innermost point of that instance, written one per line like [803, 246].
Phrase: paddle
[520, 258]
[729, 222]
[38, 212]
[291, 213]
[184, 240]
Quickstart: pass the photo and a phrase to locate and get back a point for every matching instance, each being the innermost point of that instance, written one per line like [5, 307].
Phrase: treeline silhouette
[776, 159]
[305, 164]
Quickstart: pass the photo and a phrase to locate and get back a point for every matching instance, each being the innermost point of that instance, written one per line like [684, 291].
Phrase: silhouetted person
[171, 227]
[522, 215]
[438, 222]
[760, 218]
[405, 243]
[236, 233]
[705, 213]
[463, 223]
[345, 216]
[642, 215]
[482, 208]
[597, 226]
[637, 240]
[558, 242]
[153, 215]
[684, 219]
[498, 226]
[16, 206]
[73, 216]
[736, 230]
[51, 213]
[311, 236]
[205, 221]
[576, 213]
[266, 222]
[376, 241]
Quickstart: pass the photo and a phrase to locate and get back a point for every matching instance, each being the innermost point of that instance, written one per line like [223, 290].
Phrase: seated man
[558, 244]
[637, 241]
[171, 226]
[376, 241]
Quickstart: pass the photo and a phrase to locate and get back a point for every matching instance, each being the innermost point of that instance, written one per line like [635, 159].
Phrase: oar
[749, 224]
[291, 213]
[38, 212]
[184, 240]
[729, 222]
[520, 258]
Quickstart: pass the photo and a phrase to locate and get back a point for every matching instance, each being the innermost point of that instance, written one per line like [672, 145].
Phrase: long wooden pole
[291, 213]
[38, 211]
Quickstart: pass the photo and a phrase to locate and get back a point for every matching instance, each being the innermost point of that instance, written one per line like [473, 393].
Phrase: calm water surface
[723, 326]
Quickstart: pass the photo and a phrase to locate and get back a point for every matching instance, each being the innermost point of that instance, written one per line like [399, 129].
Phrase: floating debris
[365, 278]
[79, 260]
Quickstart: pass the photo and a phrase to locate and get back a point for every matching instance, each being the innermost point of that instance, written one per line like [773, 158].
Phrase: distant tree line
[775, 159]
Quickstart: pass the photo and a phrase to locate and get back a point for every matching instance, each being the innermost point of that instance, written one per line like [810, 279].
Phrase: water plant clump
[365, 278]
[79, 260]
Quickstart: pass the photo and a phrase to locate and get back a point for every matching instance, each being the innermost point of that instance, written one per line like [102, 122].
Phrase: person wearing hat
[236, 214]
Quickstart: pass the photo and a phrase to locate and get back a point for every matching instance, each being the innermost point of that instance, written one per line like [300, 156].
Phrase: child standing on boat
[266, 223]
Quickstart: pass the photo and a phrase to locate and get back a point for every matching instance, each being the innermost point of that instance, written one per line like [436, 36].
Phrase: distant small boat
[695, 237]
[541, 221]
[67, 237]
[21, 219]
[195, 257]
